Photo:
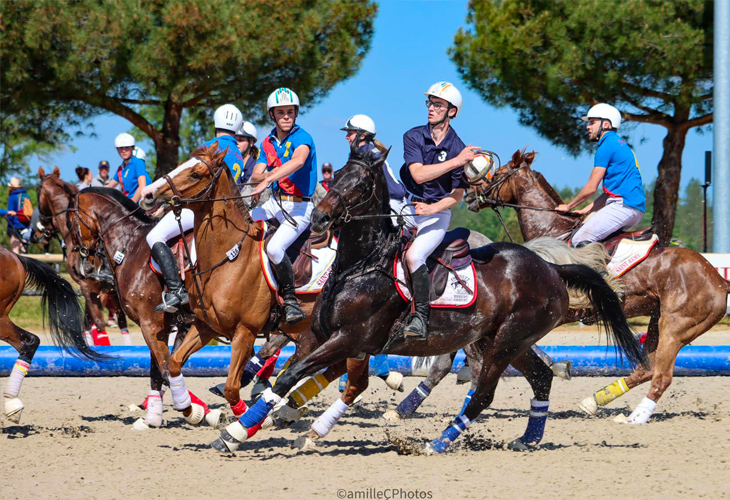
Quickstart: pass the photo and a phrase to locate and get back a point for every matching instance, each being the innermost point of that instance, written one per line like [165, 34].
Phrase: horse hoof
[140, 425]
[219, 390]
[304, 443]
[392, 416]
[561, 369]
[428, 449]
[395, 381]
[196, 415]
[286, 416]
[14, 409]
[589, 406]
[133, 408]
[621, 419]
[214, 418]
[518, 445]
[223, 446]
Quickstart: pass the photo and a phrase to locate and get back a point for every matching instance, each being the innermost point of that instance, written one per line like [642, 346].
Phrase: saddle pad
[321, 268]
[454, 296]
[629, 253]
[179, 252]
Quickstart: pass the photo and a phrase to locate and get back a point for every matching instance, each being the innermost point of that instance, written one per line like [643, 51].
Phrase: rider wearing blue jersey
[434, 178]
[288, 158]
[228, 120]
[623, 201]
[246, 138]
[131, 175]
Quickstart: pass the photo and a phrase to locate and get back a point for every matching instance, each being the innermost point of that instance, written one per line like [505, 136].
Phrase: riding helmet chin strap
[446, 115]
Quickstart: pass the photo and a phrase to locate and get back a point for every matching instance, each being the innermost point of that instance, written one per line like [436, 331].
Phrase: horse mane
[545, 186]
[120, 199]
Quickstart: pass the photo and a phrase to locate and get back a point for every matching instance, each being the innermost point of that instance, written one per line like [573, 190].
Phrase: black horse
[520, 299]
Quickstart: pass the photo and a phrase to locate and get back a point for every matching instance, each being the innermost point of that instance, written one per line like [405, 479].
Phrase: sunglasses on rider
[438, 106]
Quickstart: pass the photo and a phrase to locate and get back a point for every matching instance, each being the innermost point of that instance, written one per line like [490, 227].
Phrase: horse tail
[61, 308]
[607, 307]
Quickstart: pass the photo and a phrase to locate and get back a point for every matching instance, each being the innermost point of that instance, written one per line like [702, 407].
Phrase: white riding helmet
[124, 140]
[448, 93]
[606, 112]
[248, 130]
[228, 117]
[282, 97]
[139, 153]
[360, 123]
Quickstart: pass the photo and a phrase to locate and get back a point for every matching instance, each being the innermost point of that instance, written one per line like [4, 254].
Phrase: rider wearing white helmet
[227, 120]
[132, 174]
[360, 130]
[288, 157]
[434, 178]
[623, 201]
[246, 138]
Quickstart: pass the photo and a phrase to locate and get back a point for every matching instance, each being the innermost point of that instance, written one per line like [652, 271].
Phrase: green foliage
[79, 58]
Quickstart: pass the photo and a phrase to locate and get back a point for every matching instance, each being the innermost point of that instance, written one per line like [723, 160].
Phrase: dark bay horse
[54, 198]
[60, 309]
[103, 216]
[520, 299]
[234, 300]
[678, 288]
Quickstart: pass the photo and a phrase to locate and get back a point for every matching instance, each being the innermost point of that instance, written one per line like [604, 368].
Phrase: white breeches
[168, 228]
[613, 217]
[300, 211]
[431, 230]
[399, 206]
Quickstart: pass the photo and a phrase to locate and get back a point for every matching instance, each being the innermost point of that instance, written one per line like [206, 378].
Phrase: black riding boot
[176, 295]
[285, 275]
[417, 324]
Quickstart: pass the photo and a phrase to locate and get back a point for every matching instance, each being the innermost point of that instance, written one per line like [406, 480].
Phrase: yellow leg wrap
[611, 392]
[309, 389]
[283, 368]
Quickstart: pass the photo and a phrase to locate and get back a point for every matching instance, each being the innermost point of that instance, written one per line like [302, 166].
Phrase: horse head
[204, 168]
[54, 197]
[83, 226]
[504, 185]
[359, 188]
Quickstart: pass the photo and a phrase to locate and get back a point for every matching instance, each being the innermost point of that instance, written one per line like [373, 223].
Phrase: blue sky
[408, 54]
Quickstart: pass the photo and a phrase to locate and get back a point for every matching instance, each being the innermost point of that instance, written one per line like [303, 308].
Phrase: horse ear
[57, 171]
[516, 158]
[529, 158]
[41, 173]
[387, 152]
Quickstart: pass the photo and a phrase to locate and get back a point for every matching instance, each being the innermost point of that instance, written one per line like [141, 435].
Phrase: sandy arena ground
[75, 441]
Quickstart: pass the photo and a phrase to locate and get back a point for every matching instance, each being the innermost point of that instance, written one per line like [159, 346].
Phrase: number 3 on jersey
[442, 156]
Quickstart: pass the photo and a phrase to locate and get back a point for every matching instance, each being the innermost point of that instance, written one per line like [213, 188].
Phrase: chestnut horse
[60, 309]
[520, 298]
[232, 297]
[103, 216]
[54, 198]
[678, 288]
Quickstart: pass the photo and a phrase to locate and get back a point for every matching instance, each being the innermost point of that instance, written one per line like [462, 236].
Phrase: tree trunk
[168, 147]
[666, 192]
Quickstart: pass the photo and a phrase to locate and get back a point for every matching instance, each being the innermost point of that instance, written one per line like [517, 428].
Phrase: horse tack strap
[456, 275]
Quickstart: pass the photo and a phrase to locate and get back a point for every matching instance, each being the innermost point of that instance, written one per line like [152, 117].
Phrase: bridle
[346, 216]
[49, 227]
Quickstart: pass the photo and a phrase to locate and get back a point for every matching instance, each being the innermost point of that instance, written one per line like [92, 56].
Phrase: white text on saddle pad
[629, 253]
[455, 295]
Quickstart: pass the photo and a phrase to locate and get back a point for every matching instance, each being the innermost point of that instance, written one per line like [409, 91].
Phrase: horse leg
[540, 377]
[121, 319]
[241, 348]
[26, 344]
[439, 369]
[392, 379]
[621, 386]
[357, 381]
[96, 310]
[192, 408]
[155, 333]
[474, 354]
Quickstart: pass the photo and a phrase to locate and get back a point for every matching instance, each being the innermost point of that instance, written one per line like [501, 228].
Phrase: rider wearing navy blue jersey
[623, 201]
[433, 175]
[361, 129]
[246, 138]
[288, 158]
[228, 120]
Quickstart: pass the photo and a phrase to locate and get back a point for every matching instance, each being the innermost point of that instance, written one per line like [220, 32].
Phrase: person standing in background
[18, 220]
[102, 179]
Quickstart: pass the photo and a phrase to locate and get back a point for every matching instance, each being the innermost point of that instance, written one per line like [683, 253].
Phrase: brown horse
[677, 287]
[54, 198]
[60, 309]
[232, 297]
[102, 216]
[520, 299]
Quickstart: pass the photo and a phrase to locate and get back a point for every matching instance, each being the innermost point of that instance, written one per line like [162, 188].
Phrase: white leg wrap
[15, 380]
[180, 394]
[197, 415]
[329, 418]
[13, 409]
[153, 418]
[270, 397]
[126, 338]
[642, 412]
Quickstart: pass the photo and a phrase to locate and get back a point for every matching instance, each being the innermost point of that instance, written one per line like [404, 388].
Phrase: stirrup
[414, 330]
[293, 312]
[171, 301]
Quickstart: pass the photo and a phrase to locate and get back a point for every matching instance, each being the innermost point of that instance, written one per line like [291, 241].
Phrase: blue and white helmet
[282, 97]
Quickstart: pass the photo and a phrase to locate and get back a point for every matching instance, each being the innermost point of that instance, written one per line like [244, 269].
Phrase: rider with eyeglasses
[434, 178]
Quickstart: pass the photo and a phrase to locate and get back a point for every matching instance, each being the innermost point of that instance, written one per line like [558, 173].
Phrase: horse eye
[195, 175]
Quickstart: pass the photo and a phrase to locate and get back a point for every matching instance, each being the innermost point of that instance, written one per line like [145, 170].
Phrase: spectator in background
[18, 220]
[86, 179]
[103, 178]
[324, 185]
[132, 174]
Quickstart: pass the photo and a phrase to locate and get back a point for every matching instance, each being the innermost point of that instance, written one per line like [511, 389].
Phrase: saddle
[178, 250]
[300, 252]
[452, 254]
[612, 241]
